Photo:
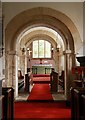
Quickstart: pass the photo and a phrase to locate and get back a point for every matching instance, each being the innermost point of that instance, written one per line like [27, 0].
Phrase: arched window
[41, 49]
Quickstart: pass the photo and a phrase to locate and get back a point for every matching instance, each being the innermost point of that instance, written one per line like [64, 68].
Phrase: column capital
[12, 52]
[68, 52]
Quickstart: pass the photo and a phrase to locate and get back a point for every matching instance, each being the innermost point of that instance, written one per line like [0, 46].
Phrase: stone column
[26, 64]
[69, 61]
[55, 58]
[29, 60]
[22, 64]
[12, 70]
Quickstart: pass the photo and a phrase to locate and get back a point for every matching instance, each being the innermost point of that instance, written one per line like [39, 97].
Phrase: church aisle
[42, 111]
[40, 92]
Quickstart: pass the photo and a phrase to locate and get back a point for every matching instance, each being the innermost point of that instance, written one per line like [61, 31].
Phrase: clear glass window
[41, 49]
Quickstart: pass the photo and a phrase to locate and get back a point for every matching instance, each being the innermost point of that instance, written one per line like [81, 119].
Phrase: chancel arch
[37, 17]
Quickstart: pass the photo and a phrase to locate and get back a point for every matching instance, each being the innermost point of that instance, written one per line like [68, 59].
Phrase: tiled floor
[23, 95]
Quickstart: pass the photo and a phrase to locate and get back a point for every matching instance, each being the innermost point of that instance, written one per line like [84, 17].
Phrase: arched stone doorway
[36, 17]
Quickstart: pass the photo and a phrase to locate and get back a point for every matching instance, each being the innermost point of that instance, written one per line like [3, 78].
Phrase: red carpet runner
[40, 92]
[41, 78]
[41, 111]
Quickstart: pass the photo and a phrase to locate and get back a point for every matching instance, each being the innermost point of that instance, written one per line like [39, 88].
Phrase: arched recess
[28, 41]
[35, 17]
[38, 34]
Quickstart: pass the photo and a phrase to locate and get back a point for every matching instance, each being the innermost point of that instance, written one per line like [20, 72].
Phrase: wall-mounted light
[1, 51]
[28, 49]
[52, 50]
[22, 50]
[58, 48]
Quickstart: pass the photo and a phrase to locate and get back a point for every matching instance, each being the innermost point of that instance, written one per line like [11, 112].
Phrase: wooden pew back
[76, 103]
[54, 81]
[8, 105]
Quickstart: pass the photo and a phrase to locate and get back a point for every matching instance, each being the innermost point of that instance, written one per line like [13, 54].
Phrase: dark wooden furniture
[77, 72]
[20, 80]
[62, 80]
[20, 83]
[54, 81]
[1, 106]
[20, 76]
[77, 83]
[76, 103]
[83, 107]
[27, 83]
[8, 103]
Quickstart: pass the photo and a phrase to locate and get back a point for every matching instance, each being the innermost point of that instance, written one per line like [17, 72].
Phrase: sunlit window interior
[41, 49]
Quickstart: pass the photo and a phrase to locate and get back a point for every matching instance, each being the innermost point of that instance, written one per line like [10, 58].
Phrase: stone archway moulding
[41, 17]
[45, 37]
[40, 34]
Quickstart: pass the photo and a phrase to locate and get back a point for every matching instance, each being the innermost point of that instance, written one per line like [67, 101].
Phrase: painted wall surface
[74, 10]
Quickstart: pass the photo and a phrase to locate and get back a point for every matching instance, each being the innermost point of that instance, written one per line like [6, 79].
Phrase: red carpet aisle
[41, 75]
[41, 111]
[41, 78]
[40, 92]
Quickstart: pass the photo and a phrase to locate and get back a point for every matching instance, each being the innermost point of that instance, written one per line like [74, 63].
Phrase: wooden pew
[83, 107]
[76, 103]
[20, 76]
[27, 83]
[54, 81]
[20, 83]
[8, 103]
[62, 79]
[20, 80]
[1, 106]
